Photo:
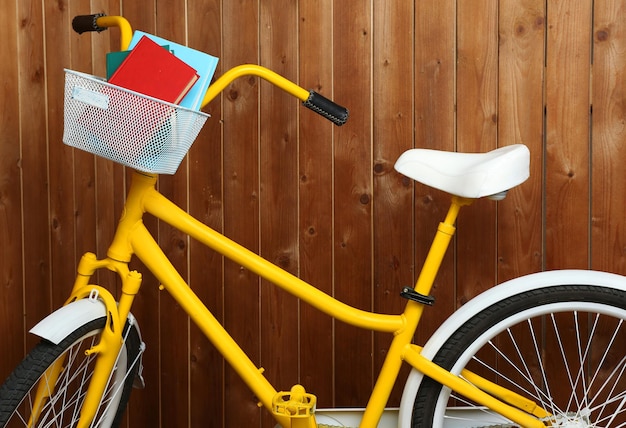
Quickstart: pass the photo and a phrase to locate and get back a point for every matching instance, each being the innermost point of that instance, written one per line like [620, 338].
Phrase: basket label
[92, 98]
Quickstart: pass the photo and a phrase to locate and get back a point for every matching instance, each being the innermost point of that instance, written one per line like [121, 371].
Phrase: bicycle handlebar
[99, 22]
[310, 99]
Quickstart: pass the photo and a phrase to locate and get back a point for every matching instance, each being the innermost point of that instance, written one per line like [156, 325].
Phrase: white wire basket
[135, 130]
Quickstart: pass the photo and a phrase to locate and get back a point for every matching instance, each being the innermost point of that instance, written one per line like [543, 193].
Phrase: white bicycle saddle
[469, 175]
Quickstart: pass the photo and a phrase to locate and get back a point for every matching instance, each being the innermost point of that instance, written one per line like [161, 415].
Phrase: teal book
[203, 63]
[114, 60]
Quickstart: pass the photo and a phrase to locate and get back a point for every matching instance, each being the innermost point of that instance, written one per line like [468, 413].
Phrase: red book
[154, 71]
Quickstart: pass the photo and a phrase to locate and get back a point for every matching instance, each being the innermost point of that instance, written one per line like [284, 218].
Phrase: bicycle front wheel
[62, 407]
[561, 346]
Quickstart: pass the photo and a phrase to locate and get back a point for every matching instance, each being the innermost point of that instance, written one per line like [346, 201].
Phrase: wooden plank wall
[321, 201]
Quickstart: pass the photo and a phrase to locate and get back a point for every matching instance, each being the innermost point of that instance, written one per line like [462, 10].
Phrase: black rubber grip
[84, 23]
[327, 108]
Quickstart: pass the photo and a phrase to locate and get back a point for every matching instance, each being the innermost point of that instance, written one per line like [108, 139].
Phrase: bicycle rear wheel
[561, 346]
[63, 407]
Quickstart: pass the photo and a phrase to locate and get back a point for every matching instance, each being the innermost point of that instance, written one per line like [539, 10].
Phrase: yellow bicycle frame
[296, 407]
[133, 238]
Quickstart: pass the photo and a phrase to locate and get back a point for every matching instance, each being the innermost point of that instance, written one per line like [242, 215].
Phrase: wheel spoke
[63, 406]
[560, 346]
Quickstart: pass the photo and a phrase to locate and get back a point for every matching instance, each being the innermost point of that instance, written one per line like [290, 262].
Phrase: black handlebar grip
[327, 108]
[83, 23]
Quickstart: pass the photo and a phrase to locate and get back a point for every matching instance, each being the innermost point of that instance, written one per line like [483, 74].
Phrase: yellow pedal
[296, 403]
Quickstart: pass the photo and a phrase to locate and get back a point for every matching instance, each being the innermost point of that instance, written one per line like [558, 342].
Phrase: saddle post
[438, 248]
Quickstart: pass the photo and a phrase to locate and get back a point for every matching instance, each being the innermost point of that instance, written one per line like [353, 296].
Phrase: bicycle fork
[106, 351]
[107, 348]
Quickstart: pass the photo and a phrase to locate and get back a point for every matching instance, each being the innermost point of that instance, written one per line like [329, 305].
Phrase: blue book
[203, 63]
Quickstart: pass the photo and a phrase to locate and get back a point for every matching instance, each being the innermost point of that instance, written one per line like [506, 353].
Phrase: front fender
[62, 322]
[65, 320]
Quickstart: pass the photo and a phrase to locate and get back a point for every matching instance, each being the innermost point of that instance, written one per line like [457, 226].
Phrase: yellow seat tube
[386, 379]
[437, 252]
[412, 313]
[440, 244]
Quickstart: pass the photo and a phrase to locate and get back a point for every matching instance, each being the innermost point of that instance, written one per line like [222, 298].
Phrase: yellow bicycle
[502, 360]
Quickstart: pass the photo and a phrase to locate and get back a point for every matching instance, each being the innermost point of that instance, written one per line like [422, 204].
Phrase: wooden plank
[241, 199]
[477, 121]
[435, 106]
[61, 157]
[316, 199]
[278, 177]
[206, 204]
[567, 135]
[34, 163]
[352, 46]
[520, 120]
[393, 134]
[608, 134]
[174, 323]
[11, 278]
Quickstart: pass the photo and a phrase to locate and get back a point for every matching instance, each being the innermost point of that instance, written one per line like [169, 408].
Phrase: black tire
[20, 387]
[562, 346]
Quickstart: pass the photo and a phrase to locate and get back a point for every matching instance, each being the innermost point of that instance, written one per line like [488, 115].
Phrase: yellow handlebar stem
[254, 70]
[126, 31]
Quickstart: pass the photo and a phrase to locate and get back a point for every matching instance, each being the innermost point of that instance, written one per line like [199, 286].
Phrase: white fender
[59, 324]
[488, 298]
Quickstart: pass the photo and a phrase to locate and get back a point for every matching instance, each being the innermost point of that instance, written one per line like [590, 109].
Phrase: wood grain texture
[173, 323]
[567, 134]
[11, 240]
[34, 163]
[241, 199]
[520, 121]
[477, 125]
[278, 163]
[84, 191]
[61, 175]
[392, 135]
[352, 56]
[315, 157]
[323, 202]
[608, 238]
[206, 203]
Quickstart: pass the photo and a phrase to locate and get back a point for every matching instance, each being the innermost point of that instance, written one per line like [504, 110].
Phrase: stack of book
[162, 69]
